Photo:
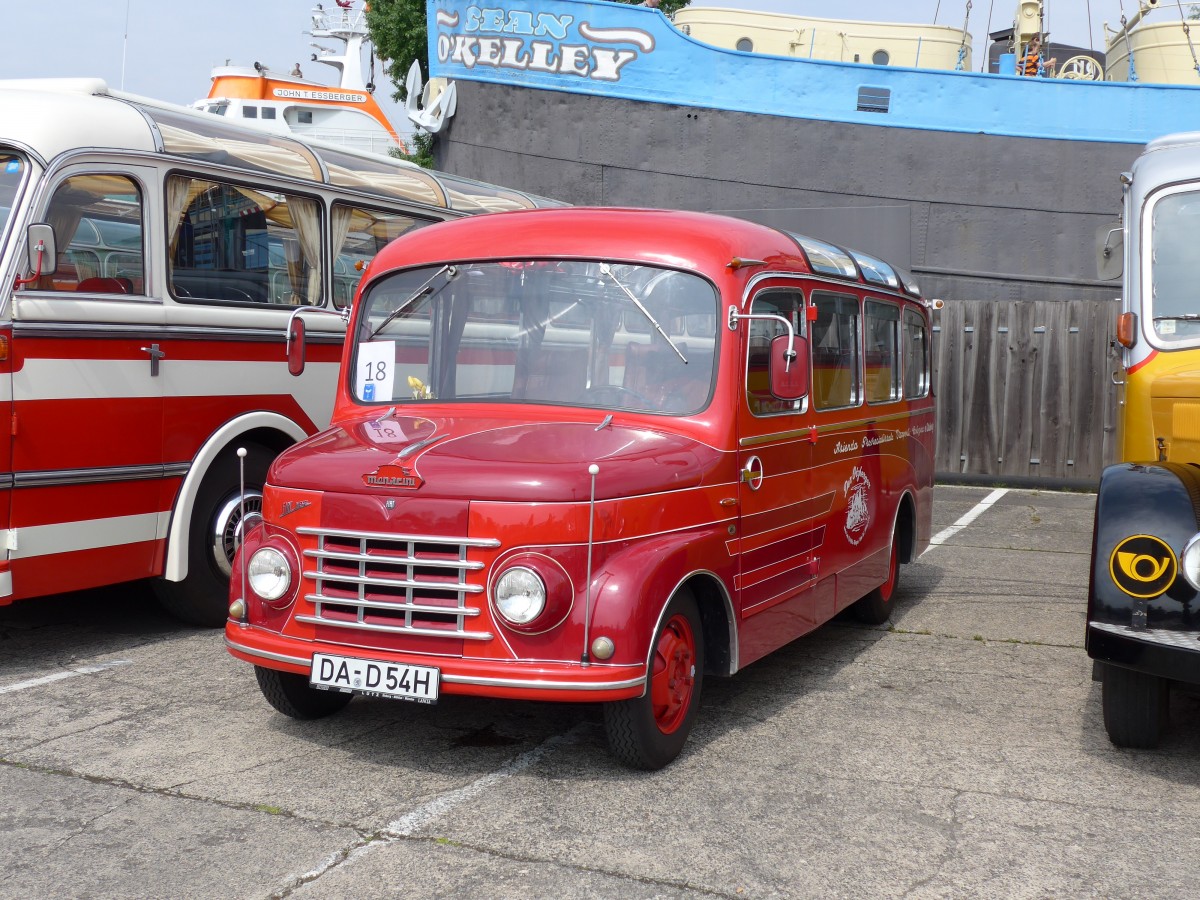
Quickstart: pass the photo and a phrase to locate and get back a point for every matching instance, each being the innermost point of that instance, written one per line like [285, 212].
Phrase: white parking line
[59, 676]
[979, 509]
[410, 823]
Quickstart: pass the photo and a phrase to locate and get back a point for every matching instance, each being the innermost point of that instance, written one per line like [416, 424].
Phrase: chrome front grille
[394, 583]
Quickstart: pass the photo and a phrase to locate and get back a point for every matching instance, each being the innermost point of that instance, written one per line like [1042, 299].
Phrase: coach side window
[916, 355]
[789, 304]
[97, 221]
[358, 234]
[836, 351]
[229, 242]
[881, 325]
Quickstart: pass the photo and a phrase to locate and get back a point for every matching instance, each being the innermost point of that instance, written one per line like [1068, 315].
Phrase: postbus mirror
[789, 367]
[43, 254]
[1110, 251]
[295, 346]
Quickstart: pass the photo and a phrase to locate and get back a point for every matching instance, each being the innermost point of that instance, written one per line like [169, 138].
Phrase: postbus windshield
[12, 171]
[584, 333]
[1174, 237]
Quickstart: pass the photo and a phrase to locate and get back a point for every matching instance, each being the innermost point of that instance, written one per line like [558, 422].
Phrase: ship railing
[355, 140]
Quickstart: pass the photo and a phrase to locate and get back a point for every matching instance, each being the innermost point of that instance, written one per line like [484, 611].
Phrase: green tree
[398, 33]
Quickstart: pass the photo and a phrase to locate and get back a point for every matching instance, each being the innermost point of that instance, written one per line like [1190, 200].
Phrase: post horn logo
[1143, 566]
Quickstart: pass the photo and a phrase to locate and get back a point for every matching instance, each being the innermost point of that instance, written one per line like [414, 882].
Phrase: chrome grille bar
[394, 560]
[401, 582]
[396, 629]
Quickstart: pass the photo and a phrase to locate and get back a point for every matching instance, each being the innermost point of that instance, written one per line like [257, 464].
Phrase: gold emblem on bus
[1143, 566]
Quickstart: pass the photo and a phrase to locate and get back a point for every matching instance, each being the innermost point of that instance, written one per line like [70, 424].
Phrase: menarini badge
[393, 476]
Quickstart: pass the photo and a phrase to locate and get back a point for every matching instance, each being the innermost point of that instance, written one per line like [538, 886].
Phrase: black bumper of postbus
[1159, 634]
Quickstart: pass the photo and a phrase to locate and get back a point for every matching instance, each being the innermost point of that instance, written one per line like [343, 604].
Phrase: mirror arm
[735, 317]
[343, 314]
[40, 249]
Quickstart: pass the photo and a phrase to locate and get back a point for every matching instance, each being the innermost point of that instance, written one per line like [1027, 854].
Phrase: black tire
[1135, 707]
[293, 696]
[648, 732]
[876, 608]
[202, 598]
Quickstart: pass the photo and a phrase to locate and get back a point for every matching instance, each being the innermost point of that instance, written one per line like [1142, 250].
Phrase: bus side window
[97, 221]
[916, 356]
[358, 234]
[836, 351]
[882, 357]
[229, 242]
[789, 304]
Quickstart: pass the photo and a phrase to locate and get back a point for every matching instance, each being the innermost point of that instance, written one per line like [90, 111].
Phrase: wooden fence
[1025, 389]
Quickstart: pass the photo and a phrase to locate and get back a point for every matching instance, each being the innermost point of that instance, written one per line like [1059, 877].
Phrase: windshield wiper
[1183, 317]
[606, 270]
[451, 272]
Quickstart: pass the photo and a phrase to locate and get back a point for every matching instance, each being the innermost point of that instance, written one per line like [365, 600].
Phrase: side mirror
[43, 254]
[1110, 251]
[296, 349]
[789, 367]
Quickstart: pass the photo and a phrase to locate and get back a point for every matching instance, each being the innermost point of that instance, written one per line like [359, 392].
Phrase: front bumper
[470, 676]
[1168, 653]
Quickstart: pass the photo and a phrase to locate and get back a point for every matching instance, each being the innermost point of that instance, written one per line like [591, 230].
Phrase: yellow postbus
[1143, 617]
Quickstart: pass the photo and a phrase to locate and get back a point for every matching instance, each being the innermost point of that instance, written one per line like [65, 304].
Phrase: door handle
[155, 355]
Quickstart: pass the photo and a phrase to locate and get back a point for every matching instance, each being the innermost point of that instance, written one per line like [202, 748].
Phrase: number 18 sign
[376, 371]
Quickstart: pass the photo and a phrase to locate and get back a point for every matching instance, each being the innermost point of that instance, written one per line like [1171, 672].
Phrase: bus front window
[12, 173]
[580, 333]
[1173, 266]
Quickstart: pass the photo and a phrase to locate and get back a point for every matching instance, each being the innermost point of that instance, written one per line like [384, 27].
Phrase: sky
[166, 49]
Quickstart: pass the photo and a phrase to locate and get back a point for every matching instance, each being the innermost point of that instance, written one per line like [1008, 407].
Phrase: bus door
[14, 171]
[856, 391]
[87, 403]
[781, 524]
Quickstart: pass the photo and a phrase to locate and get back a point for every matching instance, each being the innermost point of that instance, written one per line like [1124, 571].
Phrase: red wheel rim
[673, 674]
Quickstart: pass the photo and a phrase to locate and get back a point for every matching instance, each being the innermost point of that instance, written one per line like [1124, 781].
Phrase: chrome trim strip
[400, 538]
[393, 607]
[143, 332]
[803, 433]
[543, 685]
[1183, 640]
[59, 477]
[395, 560]
[402, 629]
[6, 481]
[828, 280]
[264, 654]
[458, 588]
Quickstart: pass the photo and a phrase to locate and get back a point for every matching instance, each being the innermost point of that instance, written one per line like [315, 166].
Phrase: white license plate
[375, 677]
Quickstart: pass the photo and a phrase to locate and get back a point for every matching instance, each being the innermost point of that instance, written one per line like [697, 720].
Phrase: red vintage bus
[593, 455]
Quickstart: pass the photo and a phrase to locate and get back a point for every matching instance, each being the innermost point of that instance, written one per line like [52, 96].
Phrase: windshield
[1175, 237]
[603, 335]
[12, 171]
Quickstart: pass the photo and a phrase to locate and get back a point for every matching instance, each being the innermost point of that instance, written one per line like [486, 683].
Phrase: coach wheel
[648, 732]
[294, 697]
[217, 527]
[876, 607]
[1135, 707]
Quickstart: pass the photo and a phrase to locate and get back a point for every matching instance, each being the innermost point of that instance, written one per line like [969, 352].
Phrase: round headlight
[269, 573]
[520, 595]
[1190, 562]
